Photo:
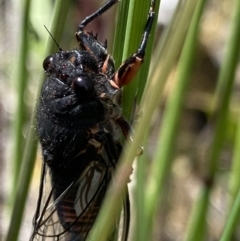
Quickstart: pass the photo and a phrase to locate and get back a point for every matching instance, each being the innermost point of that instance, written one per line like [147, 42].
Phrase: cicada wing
[80, 207]
[45, 222]
[71, 215]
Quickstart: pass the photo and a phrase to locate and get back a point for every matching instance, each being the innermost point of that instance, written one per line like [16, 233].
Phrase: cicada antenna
[59, 48]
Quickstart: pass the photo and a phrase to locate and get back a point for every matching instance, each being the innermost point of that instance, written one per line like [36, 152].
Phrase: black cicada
[79, 124]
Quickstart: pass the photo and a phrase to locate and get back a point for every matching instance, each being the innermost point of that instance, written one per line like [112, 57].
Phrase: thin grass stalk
[224, 90]
[167, 136]
[22, 77]
[168, 42]
[31, 142]
[223, 94]
[235, 170]
[164, 45]
[232, 57]
[196, 229]
[233, 220]
[112, 201]
[142, 161]
[138, 200]
[120, 32]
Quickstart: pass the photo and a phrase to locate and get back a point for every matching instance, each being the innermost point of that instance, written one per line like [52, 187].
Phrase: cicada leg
[130, 66]
[90, 42]
[99, 12]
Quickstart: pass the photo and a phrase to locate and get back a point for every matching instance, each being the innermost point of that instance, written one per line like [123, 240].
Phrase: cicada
[80, 128]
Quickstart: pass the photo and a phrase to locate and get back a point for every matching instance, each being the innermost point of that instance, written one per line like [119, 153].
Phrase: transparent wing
[71, 215]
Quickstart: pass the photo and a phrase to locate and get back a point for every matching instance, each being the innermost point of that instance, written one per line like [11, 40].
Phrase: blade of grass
[22, 76]
[164, 45]
[26, 170]
[229, 68]
[138, 199]
[142, 162]
[224, 90]
[162, 51]
[112, 202]
[233, 220]
[197, 221]
[167, 135]
[235, 170]
[223, 94]
[120, 32]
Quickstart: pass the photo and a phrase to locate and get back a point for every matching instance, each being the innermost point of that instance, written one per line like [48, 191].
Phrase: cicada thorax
[87, 41]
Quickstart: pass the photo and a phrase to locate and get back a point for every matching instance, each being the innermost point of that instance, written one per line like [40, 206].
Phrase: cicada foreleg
[99, 12]
[131, 65]
[90, 42]
[129, 69]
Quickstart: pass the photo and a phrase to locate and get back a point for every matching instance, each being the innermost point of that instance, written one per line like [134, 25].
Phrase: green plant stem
[197, 224]
[23, 185]
[167, 135]
[235, 170]
[233, 220]
[224, 90]
[19, 122]
[22, 80]
[139, 201]
[26, 170]
[120, 32]
[226, 82]
[163, 45]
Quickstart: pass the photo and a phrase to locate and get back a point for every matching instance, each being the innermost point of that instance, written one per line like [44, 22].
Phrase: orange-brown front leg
[130, 66]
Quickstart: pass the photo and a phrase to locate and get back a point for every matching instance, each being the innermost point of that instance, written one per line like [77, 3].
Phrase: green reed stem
[22, 80]
[167, 136]
[26, 170]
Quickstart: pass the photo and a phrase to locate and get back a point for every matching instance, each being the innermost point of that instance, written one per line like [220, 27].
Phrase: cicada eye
[83, 87]
[47, 62]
